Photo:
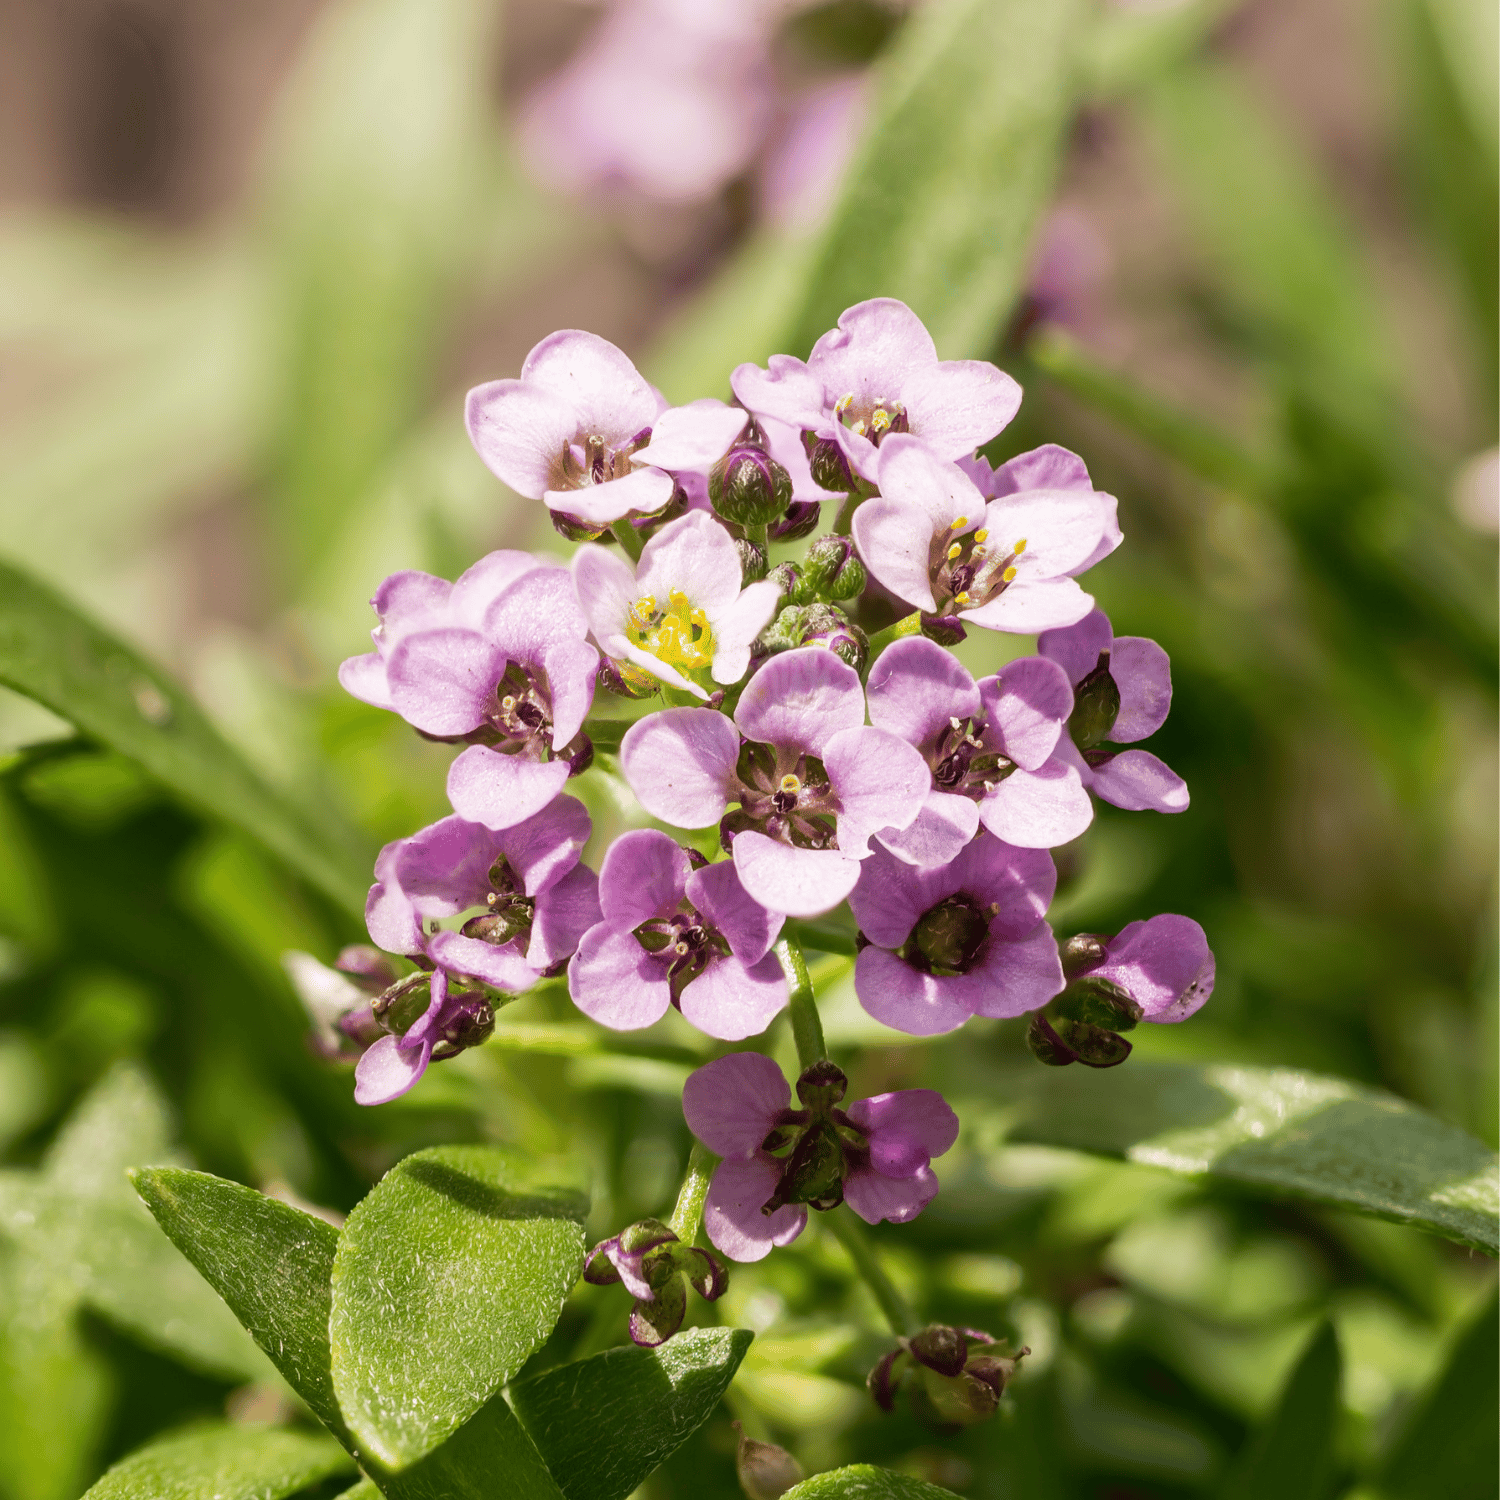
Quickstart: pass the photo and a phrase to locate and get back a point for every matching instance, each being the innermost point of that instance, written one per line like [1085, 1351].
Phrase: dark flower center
[969, 568]
[963, 764]
[510, 911]
[817, 1144]
[686, 944]
[949, 937]
[520, 721]
[785, 796]
[589, 460]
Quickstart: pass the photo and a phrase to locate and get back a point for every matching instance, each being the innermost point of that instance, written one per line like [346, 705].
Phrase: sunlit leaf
[865, 1482]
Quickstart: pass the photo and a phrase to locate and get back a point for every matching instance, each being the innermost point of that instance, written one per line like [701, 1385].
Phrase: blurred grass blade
[866, 1482]
[1320, 1138]
[1130, 45]
[1292, 1459]
[1448, 1446]
[939, 204]
[55, 655]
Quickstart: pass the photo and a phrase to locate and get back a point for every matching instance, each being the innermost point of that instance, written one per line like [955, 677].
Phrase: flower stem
[907, 625]
[688, 1214]
[806, 1027]
[629, 538]
[850, 1233]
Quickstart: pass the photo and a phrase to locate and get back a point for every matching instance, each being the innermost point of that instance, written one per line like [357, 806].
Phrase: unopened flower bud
[830, 469]
[1058, 1042]
[765, 1471]
[831, 570]
[952, 1377]
[656, 1268]
[579, 754]
[753, 560]
[471, 1025]
[403, 1004]
[801, 519]
[368, 967]
[1096, 706]
[946, 630]
[1082, 951]
[748, 487]
[824, 625]
[576, 529]
[787, 577]
[626, 680]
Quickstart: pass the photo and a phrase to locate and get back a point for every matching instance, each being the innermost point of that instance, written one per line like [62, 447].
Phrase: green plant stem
[629, 538]
[850, 1233]
[806, 1027]
[907, 625]
[688, 1214]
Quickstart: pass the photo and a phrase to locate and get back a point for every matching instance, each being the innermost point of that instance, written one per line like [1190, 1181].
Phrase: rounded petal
[1012, 978]
[694, 555]
[731, 1000]
[731, 1104]
[880, 782]
[1039, 809]
[878, 347]
[695, 436]
[794, 882]
[503, 965]
[1076, 648]
[544, 847]
[411, 597]
[388, 1070]
[680, 764]
[520, 432]
[363, 677]
[1029, 608]
[443, 681]
[564, 912]
[916, 688]
[894, 538]
[875, 1197]
[604, 584]
[1018, 884]
[643, 490]
[732, 1213]
[1046, 468]
[905, 999]
[892, 894]
[643, 875]
[787, 390]
[906, 1129]
[532, 613]
[443, 868]
[944, 826]
[725, 904]
[500, 791]
[572, 668]
[801, 699]
[1060, 529]
[1137, 781]
[616, 982]
[958, 405]
[597, 381]
[1163, 964]
[391, 919]
[737, 625]
[1143, 673]
[1110, 538]
[1027, 704]
[478, 587]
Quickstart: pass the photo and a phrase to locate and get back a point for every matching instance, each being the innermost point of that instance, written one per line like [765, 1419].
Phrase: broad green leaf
[865, 1482]
[366, 1489]
[1321, 1138]
[939, 204]
[1448, 1446]
[54, 654]
[224, 1463]
[1293, 1458]
[603, 1424]
[448, 1275]
[269, 1261]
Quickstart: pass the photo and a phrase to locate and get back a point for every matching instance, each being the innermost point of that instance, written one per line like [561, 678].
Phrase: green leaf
[1448, 1446]
[939, 204]
[366, 1489]
[448, 1275]
[1293, 1458]
[604, 1423]
[269, 1261]
[224, 1463]
[865, 1482]
[1321, 1138]
[55, 655]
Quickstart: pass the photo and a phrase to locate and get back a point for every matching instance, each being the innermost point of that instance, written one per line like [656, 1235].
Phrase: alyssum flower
[779, 1161]
[657, 1269]
[455, 1017]
[953, 1377]
[814, 783]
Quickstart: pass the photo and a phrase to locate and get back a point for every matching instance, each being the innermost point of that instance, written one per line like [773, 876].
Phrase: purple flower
[1164, 965]
[1122, 688]
[681, 615]
[677, 935]
[657, 1269]
[502, 655]
[455, 1018]
[874, 376]
[933, 540]
[571, 429]
[963, 939]
[527, 898]
[813, 782]
[777, 1160]
[991, 747]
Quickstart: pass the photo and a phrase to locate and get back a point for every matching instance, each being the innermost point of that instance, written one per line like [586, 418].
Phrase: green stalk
[850, 1233]
[806, 1027]
[629, 538]
[907, 625]
[688, 1214]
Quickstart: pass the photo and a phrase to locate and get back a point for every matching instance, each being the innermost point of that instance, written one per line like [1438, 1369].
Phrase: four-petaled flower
[455, 1018]
[676, 934]
[779, 1161]
[657, 1269]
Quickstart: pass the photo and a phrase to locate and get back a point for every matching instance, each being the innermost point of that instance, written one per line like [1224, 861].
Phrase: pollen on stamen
[962, 597]
[858, 429]
[507, 703]
[954, 551]
[790, 783]
[644, 608]
[1009, 575]
[958, 523]
[679, 946]
[1020, 547]
[982, 535]
[955, 723]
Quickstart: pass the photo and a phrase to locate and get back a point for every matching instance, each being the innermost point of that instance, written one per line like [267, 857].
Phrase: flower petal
[958, 405]
[1143, 673]
[694, 555]
[1028, 608]
[737, 625]
[1018, 883]
[520, 432]
[388, 1070]
[1027, 704]
[1077, 647]
[616, 982]
[443, 681]
[875, 1197]
[564, 912]
[906, 1129]
[905, 999]
[787, 390]
[544, 847]
[878, 347]
[916, 689]
[910, 471]
[894, 538]
[1163, 964]
[1012, 978]
[725, 904]
[596, 380]
[945, 824]
[604, 584]
[1039, 809]
[794, 882]
[800, 700]
[695, 436]
[892, 894]
[880, 782]
[363, 677]
[731, 1213]
[643, 875]
[503, 965]
[1137, 781]
[680, 764]
[731, 1104]
[572, 668]
[1061, 528]
[1046, 468]
[500, 791]
[731, 1000]
[643, 490]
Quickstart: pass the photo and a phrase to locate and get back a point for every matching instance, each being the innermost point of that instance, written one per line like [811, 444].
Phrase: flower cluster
[805, 727]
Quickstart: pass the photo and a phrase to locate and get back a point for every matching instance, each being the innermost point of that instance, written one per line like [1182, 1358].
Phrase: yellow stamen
[1020, 547]
[644, 608]
[982, 535]
[1009, 575]
[790, 783]
[507, 703]
[961, 598]
[959, 523]
[858, 429]
[954, 551]
[880, 419]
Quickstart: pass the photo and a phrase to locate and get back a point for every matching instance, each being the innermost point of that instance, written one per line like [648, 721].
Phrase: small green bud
[1097, 1002]
[765, 1471]
[576, 529]
[403, 1005]
[1082, 951]
[1096, 706]
[748, 487]
[1058, 1041]
[753, 560]
[830, 469]
[949, 935]
[831, 570]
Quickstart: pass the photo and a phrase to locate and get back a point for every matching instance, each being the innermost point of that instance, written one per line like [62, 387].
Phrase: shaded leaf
[1321, 1138]
[865, 1482]
[224, 1463]
[447, 1277]
[604, 1423]
[269, 1261]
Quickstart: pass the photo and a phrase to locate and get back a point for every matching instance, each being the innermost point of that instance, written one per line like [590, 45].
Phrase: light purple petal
[695, 436]
[1046, 468]
[1018, 883]
[629, 1268]
[1011, 978]
[388, 1070]
[724, 903]
[443, 681]
[880, 782]
[500, 791]
[503, 965]
[800, 700]
[643, 875]
[644, 490]
[1137, 781]
[1029, 608]
[877, 348]
[392, 921]
[795, 882]
[1143, 673]
[363, 677]
[958, 405]
[906, 1129]
[693, 554]
[564, 912]
[786, 390]
[731, 1000]
[520, 433]
[544, 847]
[572, 668]
[736, 627]
[410, 595]
[1163, 964]
[903, 998]
[532, 613]
[731, 1214]
[596, 380]
[479, 586]
[680, 764]
[1027, 704]
[894, 537]
[1060, 529]
[916, 688]
[1076, 649]
[604, 584]
[616, 982]
[444, 868]
[731, 1104]
[892, 894]
[1039, 809]
[946, 823]
[874, 1197]
[911, 471]
[1109, 540]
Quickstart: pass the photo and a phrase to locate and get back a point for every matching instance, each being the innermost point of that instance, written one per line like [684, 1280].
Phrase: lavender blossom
[673, 934]
[1122, 689]
[501, 656]
[875, 376]
[456, 1018]
[1007, 564]
[814, 783]
[778, 1161]
[959, 940]
[656, 1269]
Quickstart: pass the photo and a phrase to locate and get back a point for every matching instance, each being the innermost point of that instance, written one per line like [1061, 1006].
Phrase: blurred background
[250, 259]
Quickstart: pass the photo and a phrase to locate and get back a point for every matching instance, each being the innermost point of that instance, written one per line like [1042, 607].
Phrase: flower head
[875, 376]
[657, 1269]
[681, 615]
[813, 782]
[779, 1161]
[673, 934]
[958, 940]
[953, 1377]
[1008, 564]
[1122, 690]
